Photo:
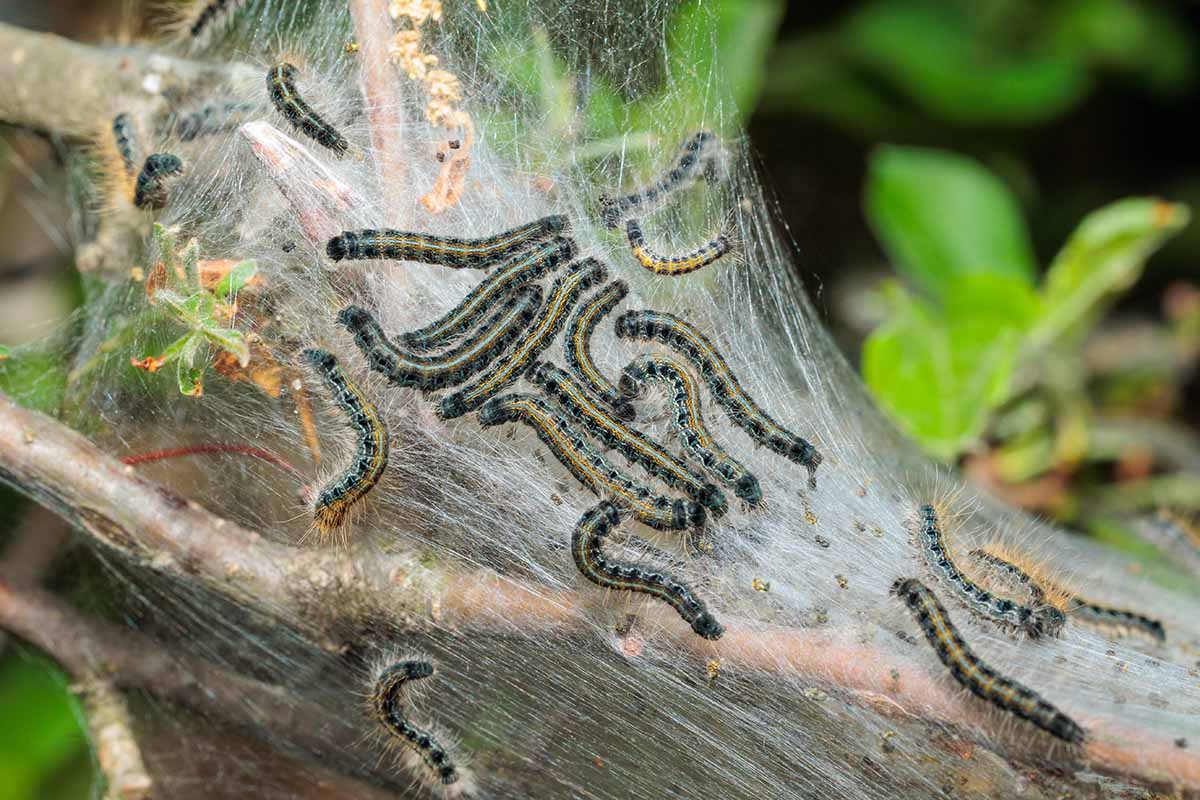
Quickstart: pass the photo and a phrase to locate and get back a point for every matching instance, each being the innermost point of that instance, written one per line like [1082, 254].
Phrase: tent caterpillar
[388, 691]
[659, 264]
[578, 346]
[446, 251]
[696, 151]
[281, 85]
[149, 191]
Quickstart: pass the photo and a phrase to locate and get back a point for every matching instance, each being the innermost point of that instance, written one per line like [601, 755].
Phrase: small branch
[117, 751]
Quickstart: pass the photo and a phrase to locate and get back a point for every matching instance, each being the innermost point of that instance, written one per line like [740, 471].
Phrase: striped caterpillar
[446, 251]
[334, 501]
[724, 385]
[976, 676]
[587, 465]
[281, 86]
[578, 346]
[587, 547]
[689, 422]
[388, 691]
[697, 151]
[673, 266]
[632, 444]
[431, 372]
[149, 192]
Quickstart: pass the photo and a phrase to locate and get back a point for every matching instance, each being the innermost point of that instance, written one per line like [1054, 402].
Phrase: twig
[117, 750]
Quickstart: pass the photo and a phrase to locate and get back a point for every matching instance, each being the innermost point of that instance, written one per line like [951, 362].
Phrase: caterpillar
[632, 444]
[206, 16]
[588, 466]
[587, 547]
[387, 695]
[447, 369]
[563, 294]
[212, 118]
[578, 346]
[118, 156]
[446, 251]
[512, 275]
[334, 501]
[689, 422]
[281, 85]
[980, 679]
[125, 138]
[1007, 612]
[695, 152]
[702, 256]
[724, 385]
[149, 191]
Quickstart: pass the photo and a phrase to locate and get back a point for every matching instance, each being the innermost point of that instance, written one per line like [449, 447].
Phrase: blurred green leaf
[3, 352]
[34, 378]
[1104, 255]
[230, 340]
[939, 377]
[236, 279]
[961, 70]
[941, 215]
[39, 725]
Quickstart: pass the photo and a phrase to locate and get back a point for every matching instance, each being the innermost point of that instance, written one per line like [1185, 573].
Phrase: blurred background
[933, 163]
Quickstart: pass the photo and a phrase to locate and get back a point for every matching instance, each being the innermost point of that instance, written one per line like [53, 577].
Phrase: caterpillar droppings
[587, 465]
[672, 266]
[578, 346]
[587, 546]
[689, 422]
[281, 85]
[389, 689]
[445, 251]
[509, 277]
[563, 295]
[696, 152]
[336, 499]
[432, 372]
[980, 679]
[632, 444]
[728, 392]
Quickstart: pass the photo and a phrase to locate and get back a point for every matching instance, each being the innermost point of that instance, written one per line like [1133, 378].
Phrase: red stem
[204, 449]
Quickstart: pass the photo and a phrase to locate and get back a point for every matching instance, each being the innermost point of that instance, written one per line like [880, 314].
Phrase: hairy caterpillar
[563, 294]
[118, 155]
[431, 372]
[1002, 610]
[149, 191]
[689, 422]
[578, 346]
[281, 85]
[213, 118]
[125, 139]
[587, 543]
[445, 251]
[334, 501]
[630, 443]
[695, 152]
[983, 681]
[587, 465]
[702, 256]
[724, 385]
[387, 695]
[204, 17]
[512, 275]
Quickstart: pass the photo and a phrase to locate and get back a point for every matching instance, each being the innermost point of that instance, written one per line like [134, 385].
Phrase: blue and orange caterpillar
[334, 502]
[724, 385]
[281, 86]
[673, 266]
[587, 547]
[689, 421]
[630, 443]
[432, 372]
[578, 346]
[445, 251]
[588, 466]
[698, 151]
[976, 676]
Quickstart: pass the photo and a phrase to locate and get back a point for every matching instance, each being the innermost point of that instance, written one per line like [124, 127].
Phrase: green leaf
[941, 215]
[39, 725]
[4, 352]
[177, 349]
[186, 375]
[1104, 256]
[34, 378]
[236, 279]
[229, 340]
[938, 377]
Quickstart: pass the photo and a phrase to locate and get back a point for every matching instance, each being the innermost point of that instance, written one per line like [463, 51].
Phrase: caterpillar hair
[563, 294]
[696, 151]
[632, 444]
[1116, 620]
[281, 86]
[724, 385]
[689, 422]
[702, 256]
[588, 466]
[980, 679]
[431, 372]
[1002, 610]
[578, 346]
[336, 499]
[387, 705]
[445, 251]
[150, 191]
[117, 151]
[509, 277]
[587, 547]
